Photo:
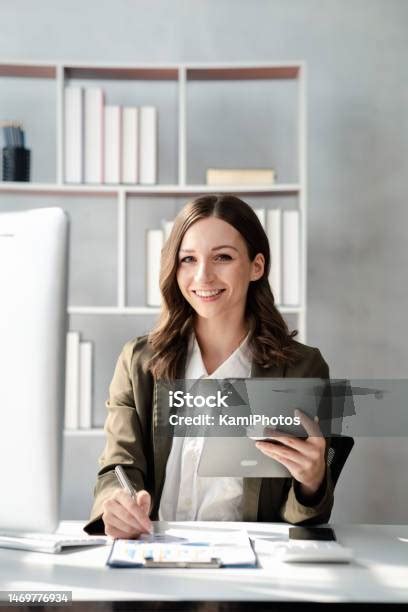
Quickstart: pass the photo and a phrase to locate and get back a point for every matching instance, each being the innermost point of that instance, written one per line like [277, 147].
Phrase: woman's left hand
[304, 458]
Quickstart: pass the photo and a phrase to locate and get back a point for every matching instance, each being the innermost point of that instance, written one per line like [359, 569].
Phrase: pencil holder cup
[16, 164]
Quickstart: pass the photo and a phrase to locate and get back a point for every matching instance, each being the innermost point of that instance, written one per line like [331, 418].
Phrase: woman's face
[214, 269]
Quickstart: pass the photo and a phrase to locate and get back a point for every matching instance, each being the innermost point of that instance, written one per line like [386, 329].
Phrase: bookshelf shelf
[144, 310]
[197, 189]
[28, 70]
[232, 73]
[154, 190]
[135, 70]
[55, 188]
[112, 310]
[150, 73]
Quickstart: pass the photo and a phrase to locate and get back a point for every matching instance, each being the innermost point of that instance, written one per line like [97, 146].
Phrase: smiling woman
[218, 320]
[214, 278]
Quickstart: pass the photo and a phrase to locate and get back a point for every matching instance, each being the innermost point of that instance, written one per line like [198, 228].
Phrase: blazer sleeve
[296, 509]
[123, 440]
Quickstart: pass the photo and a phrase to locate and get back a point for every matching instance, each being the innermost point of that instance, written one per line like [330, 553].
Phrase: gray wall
[358, 148]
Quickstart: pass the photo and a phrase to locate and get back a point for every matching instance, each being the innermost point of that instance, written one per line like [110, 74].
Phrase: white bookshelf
[181, 75]
[116, 190]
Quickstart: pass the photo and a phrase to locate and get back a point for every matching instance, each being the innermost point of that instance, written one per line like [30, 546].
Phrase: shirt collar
[238, 364]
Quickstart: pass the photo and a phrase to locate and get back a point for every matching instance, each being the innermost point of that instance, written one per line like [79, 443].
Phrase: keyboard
[303, 551]
[313, 551]
[48, 542]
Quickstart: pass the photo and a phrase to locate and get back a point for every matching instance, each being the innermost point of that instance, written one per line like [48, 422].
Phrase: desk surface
[379, 572]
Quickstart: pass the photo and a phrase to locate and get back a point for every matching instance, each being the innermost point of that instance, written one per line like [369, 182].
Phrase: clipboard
[179, 548]
[130, 553]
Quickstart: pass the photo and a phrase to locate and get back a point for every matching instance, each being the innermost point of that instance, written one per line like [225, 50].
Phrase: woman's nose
[203, 272]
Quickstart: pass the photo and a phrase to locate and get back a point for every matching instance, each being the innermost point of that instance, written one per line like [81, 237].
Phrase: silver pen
[124, 481]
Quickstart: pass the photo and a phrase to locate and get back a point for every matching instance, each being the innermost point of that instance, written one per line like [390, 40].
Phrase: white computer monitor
[33, 324]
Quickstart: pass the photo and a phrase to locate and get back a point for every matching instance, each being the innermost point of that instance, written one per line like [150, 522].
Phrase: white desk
[378, 574]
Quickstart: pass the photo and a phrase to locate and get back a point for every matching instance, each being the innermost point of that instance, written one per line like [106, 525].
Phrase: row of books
[78, 382]
[106, 143]
[283, 230]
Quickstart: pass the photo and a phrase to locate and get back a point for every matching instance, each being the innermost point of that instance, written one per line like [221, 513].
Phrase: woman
[218, 320]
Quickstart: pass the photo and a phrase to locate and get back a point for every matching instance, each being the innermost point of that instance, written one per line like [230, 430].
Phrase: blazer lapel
[274, 371]
[252, 486]
[162, 431]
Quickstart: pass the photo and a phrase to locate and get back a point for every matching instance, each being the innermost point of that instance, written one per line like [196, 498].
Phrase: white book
[93, 135]
[112, 144]
[154, 245]
[73, 134]
[85, 385]
[291, 257]
[167, 227]
[148, 145]
[273, 230]
[72, 381]
[130, 145]
[260, 213]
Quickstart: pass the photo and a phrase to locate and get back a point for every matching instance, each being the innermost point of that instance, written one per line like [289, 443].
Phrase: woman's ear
[258, 267]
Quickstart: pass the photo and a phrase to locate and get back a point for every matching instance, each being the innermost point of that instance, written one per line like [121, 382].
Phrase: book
[148, 145]
[167, 227]
[154, 245]
[93, 135]
[72, 381]
[273, 230]
[112, 144]
[130, 145]
[85, 385]
[246, 176]
[260, 213]
[73, 134]
[291, 258]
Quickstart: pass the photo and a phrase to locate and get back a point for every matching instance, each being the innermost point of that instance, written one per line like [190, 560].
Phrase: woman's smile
[208, 295]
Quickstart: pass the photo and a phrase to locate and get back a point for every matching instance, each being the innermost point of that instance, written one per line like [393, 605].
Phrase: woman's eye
[223, 257]
[187, 259]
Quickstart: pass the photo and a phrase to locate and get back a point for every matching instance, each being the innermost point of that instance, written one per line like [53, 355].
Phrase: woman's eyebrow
[224, 246]
[217, 248]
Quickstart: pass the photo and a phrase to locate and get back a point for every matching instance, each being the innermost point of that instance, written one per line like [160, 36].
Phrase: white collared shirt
[187, 496]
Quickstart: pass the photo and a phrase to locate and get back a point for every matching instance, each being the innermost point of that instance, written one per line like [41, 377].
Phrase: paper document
[185, 548]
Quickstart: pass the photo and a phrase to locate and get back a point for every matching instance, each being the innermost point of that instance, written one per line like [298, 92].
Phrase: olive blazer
[133, 440]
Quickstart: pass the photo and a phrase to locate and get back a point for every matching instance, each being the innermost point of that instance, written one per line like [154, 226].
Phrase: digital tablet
[237, 457]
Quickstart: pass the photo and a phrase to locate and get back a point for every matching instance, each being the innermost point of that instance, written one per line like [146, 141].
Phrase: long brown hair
[269, 339]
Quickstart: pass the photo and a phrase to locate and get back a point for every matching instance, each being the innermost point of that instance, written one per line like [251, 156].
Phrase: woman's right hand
[127, 517]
